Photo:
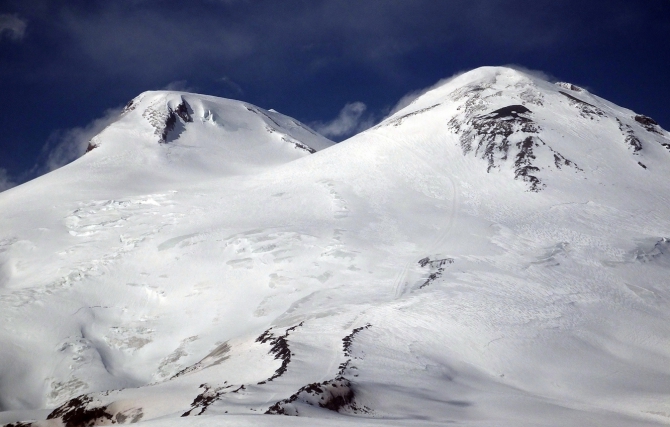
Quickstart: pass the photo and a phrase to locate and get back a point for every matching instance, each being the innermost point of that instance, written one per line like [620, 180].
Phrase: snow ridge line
[279, 348]
[209, 396]
[333, 394]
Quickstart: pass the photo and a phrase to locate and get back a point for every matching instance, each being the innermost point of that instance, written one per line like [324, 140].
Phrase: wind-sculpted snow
[218, 355]
[585, 109]
[397, 121]
[274, 128]
[570, 86]
[495, 253]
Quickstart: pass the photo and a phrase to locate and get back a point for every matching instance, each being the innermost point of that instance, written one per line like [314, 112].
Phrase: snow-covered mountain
[200, 135]
[495, 253]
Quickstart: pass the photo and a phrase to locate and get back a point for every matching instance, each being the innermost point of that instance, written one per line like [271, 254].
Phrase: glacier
[494, 253]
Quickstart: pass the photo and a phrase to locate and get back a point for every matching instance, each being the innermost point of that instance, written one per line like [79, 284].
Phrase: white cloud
[349, 121]
[542, 75]
[13, 26]
[66, 146]
[232, 85]
[179, 86]
[5, 182]
[411, 96]
[535, 73]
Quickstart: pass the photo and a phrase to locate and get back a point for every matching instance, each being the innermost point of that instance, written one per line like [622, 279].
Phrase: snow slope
[496, 253]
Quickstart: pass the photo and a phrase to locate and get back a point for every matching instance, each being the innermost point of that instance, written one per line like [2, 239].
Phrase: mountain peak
[516, 121]
[202, 132]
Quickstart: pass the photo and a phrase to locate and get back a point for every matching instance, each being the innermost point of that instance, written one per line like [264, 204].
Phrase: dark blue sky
[63, 64]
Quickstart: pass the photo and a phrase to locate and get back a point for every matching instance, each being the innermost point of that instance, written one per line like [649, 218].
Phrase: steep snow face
[496, 253]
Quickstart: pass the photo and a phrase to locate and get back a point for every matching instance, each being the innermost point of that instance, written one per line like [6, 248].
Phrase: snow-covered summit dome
[517, 121]
[202, 133]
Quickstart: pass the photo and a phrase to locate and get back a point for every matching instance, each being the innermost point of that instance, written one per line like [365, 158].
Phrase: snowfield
[495, 253]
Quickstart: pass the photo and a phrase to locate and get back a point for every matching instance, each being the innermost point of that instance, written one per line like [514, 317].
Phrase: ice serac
[495, 253]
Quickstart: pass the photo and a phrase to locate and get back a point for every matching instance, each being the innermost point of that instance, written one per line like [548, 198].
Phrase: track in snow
[399, 283]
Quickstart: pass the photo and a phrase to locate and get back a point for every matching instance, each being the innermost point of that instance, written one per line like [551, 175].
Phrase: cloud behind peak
[350, 121]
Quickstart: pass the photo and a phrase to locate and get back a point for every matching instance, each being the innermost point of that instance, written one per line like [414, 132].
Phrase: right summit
[521, 125]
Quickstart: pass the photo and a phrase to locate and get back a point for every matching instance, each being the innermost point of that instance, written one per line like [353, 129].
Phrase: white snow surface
[458, 263]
